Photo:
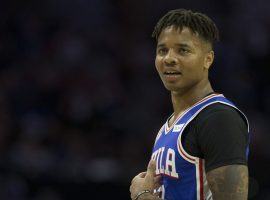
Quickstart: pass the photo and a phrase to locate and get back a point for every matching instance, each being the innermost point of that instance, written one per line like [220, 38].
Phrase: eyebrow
[178, 44]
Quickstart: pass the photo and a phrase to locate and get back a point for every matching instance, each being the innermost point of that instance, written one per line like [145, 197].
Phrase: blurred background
[81, 103]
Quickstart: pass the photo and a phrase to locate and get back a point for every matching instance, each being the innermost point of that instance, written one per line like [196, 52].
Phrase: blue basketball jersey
[183, 175]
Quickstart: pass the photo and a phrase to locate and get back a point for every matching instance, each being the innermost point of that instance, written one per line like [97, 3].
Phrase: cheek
[158, 63]
[195, 65]
[193, 70]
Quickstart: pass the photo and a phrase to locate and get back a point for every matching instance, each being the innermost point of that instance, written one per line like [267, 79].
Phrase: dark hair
[195, 21]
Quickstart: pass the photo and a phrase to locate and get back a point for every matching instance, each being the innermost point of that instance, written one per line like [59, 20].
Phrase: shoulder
[221, 114]
[215, 128]
[222, 136]
[218, 108]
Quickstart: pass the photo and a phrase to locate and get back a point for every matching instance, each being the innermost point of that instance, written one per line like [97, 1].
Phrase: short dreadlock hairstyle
[197, 22]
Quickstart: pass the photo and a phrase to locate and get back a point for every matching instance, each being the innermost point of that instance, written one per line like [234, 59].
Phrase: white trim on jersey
[203, 191]
[182, 151]
[167, 128]
[207, 192]
[237, 110]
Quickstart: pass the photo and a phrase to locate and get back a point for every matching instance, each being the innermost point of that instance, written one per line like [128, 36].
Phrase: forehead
[172, 35]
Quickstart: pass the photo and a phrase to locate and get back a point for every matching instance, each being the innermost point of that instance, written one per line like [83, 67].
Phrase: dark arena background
[81, 102]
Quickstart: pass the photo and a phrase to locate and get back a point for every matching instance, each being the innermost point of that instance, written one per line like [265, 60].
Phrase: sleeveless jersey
[183, 175]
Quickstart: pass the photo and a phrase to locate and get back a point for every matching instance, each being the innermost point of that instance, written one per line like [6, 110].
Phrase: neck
[182, 100]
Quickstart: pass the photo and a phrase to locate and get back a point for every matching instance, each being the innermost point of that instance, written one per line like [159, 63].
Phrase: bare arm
[229, 182]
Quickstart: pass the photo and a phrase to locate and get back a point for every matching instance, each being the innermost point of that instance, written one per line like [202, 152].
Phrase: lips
[172, 76]
[172, 73]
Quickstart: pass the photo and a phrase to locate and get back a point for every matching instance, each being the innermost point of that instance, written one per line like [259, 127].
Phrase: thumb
[151, 170]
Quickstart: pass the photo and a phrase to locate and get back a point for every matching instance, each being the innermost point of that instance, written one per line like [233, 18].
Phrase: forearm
[229, 182]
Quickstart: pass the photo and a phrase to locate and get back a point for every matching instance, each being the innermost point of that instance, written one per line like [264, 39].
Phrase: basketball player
[201, 150]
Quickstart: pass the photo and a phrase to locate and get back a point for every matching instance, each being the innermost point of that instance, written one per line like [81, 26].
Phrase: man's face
[182, 58]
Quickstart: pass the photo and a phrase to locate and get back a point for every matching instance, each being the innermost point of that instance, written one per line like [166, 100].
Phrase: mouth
[168, 73]
[172, 76]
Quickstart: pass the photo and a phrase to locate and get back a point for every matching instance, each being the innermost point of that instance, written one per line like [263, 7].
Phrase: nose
[170, 59]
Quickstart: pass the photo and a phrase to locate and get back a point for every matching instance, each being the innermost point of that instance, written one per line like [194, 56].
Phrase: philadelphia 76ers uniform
[183, 175]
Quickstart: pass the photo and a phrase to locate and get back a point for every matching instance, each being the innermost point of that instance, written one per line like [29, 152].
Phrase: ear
[209, 58]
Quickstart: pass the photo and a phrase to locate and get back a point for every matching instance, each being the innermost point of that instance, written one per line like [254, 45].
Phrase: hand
[145, 181]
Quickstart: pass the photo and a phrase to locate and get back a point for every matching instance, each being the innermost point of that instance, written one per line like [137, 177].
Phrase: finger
[157, 182]
[151, 169]
[158, 179]
[132, 196]
[156, 186]
[157, 198]
[131, 188]
[157, 194]
[142, 174]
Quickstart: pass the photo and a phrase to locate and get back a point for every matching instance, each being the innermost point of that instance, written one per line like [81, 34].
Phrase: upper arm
[223, 139]
[229, 182]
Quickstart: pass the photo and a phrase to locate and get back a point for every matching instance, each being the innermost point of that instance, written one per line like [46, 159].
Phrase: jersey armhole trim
[181, 150]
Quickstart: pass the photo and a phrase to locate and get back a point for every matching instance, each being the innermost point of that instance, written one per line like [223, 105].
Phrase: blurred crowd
[81, 103]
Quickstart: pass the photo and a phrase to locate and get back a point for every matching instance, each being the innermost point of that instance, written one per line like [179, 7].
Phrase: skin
[229, 182]
[146, 181]
[184, 52]
[189, 55]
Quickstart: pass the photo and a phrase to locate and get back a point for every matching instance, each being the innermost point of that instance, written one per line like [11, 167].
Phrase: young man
[201, 150]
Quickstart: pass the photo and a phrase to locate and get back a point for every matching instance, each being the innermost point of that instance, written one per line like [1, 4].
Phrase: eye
[183, 51]
[162, 51]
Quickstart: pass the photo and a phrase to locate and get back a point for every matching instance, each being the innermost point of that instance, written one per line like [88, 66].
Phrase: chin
[172, 87]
